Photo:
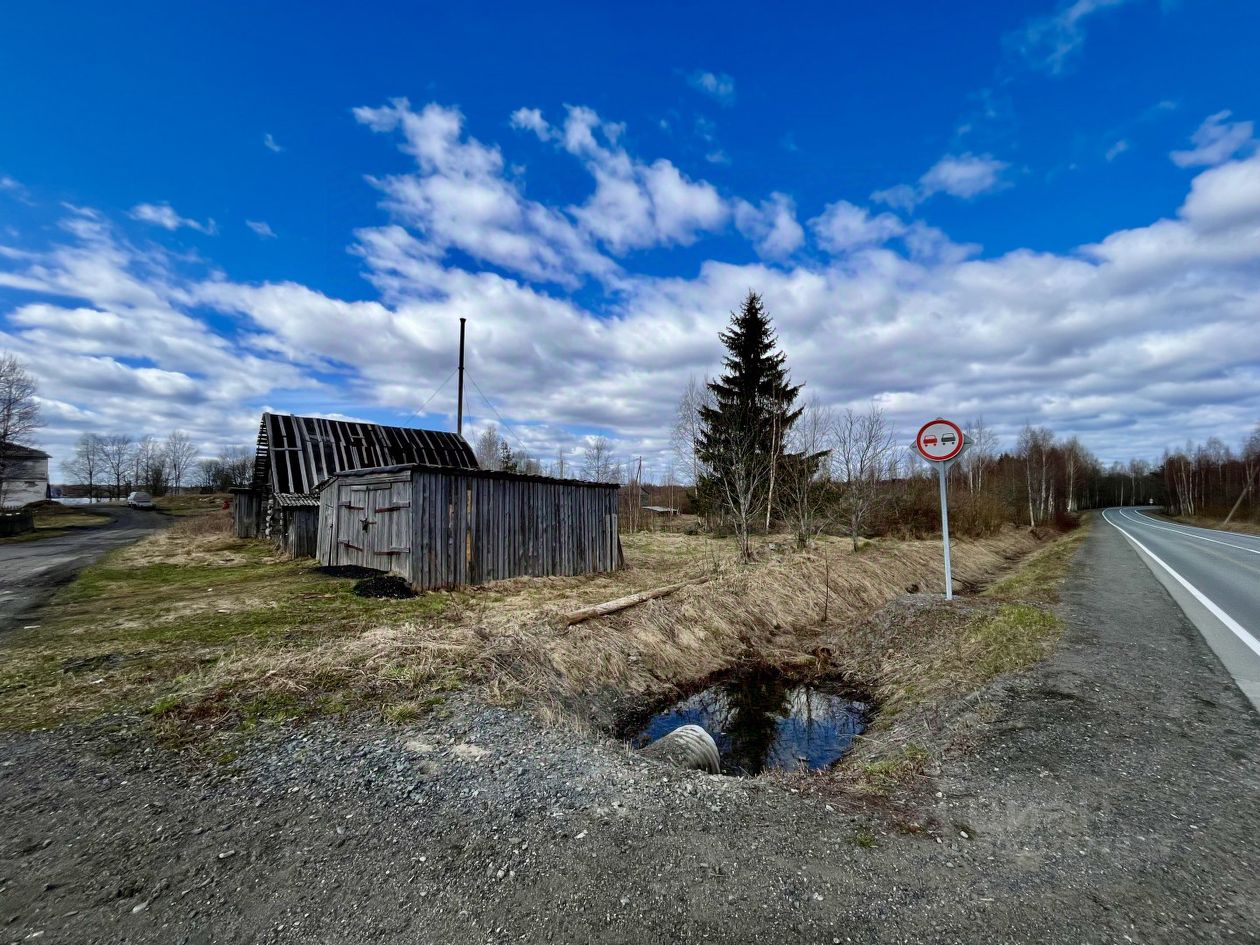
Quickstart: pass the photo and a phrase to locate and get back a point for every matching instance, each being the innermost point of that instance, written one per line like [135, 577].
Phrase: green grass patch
[130, 636]
[1039, 578]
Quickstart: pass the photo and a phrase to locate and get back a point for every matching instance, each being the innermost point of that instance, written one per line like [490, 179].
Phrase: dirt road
[31, 570]
[1114, 796]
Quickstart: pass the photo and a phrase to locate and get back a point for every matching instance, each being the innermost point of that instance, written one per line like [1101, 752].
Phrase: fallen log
[621, 603]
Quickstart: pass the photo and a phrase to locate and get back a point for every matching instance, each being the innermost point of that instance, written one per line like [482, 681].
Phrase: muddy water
[763, 720]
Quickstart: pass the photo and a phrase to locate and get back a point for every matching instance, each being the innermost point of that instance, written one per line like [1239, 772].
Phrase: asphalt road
[31, 570]
[1215, 576]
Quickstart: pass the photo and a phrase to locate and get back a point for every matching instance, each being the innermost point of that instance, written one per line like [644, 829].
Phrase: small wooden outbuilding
[451, 527]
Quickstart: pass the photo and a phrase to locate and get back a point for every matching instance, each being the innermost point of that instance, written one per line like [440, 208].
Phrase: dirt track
[1116, 797]
[31, 570]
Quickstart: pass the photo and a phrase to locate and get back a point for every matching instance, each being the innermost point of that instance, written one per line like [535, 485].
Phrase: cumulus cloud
[771, 226]
[1134, 342]
[1216, 141]
[1053, 43]
[636, 204]
[843, 226]
[163, 215]
[958, 175]
[717, 85]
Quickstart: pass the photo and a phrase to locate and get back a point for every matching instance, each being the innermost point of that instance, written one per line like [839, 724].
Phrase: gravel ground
[1115, 798]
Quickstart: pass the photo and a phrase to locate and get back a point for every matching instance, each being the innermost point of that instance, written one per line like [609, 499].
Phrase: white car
[140, 500]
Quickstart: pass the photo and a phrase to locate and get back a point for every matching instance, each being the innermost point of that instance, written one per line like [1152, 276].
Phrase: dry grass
[1236, 524]
[200, 627]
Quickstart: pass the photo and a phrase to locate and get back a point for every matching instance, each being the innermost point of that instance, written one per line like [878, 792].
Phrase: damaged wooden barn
[295, 454]
[413, 502]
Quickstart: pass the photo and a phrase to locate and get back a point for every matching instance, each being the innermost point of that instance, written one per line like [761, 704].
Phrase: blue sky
[1032, 211]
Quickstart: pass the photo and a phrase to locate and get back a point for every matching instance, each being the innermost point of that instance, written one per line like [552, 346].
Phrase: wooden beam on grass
[621, 603]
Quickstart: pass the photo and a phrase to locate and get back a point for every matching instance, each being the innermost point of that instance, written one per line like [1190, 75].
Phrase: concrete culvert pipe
[688, 746]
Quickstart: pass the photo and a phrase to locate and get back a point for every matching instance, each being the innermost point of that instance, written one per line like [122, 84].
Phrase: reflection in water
[761, 720]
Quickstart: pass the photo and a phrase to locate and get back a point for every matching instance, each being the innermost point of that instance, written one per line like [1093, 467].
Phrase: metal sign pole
[943, 468]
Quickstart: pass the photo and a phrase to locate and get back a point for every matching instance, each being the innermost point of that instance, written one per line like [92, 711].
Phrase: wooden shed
[451, 527]
[295, 454]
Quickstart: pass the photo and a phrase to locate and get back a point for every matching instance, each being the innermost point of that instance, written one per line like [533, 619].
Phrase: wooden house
[295, 454]
[23, 475]
[450, 527]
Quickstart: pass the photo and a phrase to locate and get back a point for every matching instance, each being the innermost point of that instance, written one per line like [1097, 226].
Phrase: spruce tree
[755, 396]
[743, 433]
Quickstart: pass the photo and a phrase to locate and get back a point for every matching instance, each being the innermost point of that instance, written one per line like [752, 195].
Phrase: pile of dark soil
[387, 585]
[349, 571]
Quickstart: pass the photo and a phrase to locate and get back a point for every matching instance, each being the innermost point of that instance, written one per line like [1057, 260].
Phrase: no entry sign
[939, 440]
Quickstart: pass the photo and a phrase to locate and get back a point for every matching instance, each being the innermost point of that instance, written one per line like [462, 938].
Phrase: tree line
[114, 464]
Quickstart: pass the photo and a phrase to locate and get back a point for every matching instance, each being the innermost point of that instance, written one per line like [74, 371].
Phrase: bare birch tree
[864, 443]
[180, 452]
[116, 459]
[803, 499]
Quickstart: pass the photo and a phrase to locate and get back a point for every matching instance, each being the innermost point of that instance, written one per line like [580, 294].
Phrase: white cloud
[842, 227]
[459, 199]
[163, 215]
[1117, 149]
[531, 119]
[271, 144]
[1053, 43]
[261, 228]
[717, 85]
[1216, 141]
[771, 226]
[635, 204]
[1134, 343]
[959, 175]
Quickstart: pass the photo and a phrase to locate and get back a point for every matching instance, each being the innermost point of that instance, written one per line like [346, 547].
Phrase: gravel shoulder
[1111, 794]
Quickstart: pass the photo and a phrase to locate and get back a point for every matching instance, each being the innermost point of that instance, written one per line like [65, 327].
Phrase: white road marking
[1230, 623]
[1144, 520]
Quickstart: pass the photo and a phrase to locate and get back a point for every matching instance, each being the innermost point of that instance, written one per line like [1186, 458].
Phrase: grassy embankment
[198, 631]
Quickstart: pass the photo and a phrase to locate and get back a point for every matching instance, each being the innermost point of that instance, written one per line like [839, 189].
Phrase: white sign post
[939, 442]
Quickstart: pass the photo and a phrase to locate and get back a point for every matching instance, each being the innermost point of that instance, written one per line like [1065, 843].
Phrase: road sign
[939, 440]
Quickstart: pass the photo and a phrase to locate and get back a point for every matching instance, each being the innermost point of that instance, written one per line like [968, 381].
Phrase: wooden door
[387, 526]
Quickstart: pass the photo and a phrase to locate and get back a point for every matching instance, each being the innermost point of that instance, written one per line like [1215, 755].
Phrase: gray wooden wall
[447, 528]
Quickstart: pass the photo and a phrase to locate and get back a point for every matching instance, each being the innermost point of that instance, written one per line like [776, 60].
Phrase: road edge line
[1230, 623]
[1185, 532]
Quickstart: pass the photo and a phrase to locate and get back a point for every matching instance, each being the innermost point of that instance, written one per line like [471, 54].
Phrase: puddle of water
[762, 720]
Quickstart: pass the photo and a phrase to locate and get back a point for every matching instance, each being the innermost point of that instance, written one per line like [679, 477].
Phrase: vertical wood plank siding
[447, 528]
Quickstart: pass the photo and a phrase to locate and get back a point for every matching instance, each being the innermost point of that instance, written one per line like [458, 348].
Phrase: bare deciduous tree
[597, 461]
[803, 498]
[688, 427]
[486, 448]
[116, 459]
[180, 453]
[864, 444]
[87, 465]
[19, 410]
[740, 475]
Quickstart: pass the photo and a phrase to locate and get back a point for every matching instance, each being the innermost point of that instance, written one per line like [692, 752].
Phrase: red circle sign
[939, 440]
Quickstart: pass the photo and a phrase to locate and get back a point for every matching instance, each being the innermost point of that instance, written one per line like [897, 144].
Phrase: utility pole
[459, 421]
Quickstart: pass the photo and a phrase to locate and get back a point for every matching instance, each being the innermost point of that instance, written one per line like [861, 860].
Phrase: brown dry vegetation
[196, 627]
[1236, 524]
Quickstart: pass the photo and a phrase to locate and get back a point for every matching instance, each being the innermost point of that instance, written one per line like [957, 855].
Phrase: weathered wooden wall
[447, 528]
[246, 512]
[302, 531]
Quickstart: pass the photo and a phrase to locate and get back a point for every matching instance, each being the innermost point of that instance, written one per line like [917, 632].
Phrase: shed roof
[18, 451]
[297, 453]
[473, 473]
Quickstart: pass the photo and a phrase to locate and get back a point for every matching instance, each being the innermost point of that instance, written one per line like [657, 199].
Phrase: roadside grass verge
[52, 520]
[200, 631]
[928, 664]
[1242, 526]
